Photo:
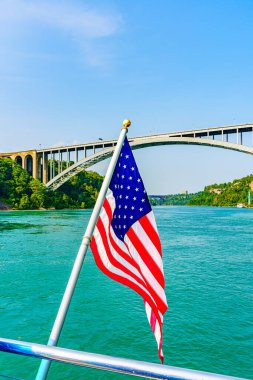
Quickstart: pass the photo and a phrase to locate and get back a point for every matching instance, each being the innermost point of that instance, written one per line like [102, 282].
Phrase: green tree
[24, 203]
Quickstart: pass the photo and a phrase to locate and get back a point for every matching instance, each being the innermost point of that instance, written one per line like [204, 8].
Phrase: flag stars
[131, 202]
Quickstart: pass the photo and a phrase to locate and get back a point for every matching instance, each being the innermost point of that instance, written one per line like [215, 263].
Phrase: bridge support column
[39, 167]
[45, 168]
[59, 164]
[53, 165]
[68, 158]
[23, 161]
[35, 167]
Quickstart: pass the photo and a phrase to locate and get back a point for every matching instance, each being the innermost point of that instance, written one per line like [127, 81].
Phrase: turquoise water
[208, 265]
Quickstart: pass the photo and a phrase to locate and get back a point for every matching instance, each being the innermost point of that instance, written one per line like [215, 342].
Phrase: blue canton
[131, 198]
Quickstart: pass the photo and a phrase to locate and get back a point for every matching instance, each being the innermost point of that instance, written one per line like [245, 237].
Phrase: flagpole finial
[126, 123]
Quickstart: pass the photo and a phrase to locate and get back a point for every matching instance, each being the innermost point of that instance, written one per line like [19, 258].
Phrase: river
[208, 266]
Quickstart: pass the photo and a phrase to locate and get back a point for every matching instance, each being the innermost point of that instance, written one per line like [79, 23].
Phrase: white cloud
[74, 18]
[85, 26]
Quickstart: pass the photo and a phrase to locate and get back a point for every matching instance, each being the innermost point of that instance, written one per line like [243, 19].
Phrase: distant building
[215, 191]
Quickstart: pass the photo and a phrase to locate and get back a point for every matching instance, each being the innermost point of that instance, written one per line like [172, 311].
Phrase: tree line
[225, 194]
[20, 191]
[170, 199]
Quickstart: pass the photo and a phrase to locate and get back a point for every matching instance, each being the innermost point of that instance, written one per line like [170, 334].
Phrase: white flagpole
[63, 309]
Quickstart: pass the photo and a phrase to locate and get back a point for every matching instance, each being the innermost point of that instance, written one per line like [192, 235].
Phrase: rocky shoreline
[4, 206]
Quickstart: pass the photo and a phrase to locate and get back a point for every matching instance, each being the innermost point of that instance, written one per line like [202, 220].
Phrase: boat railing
[106, 363]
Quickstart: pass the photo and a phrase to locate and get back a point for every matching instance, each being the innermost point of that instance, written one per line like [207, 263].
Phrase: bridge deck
[56, 165]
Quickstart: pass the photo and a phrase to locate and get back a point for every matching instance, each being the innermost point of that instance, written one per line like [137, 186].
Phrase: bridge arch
[19, 160]
[29, 164]
[139, 143]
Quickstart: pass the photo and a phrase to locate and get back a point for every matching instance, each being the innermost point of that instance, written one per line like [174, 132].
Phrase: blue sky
[71, 71]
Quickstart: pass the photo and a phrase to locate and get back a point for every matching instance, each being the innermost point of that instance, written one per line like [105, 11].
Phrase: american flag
[125, 243]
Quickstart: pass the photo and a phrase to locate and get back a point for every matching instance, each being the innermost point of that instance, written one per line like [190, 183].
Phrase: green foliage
[40, 196]
[170, 200]
[22, 192]
[80, 191]
[225, 194]
[19, 190]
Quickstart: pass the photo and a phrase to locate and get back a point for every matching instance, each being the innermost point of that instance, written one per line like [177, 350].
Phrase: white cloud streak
[84, 25]
[73, 19]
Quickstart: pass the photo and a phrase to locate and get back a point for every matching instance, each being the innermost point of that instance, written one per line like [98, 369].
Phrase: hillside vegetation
[19, 191]
[170, 200]
[224, 194]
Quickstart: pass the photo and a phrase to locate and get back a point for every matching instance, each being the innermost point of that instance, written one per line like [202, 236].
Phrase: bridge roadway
[55, 166]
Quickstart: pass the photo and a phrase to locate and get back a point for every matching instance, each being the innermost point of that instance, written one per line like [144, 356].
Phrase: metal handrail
[107, 363]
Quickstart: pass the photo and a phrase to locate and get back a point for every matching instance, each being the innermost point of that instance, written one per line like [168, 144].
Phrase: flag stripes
[134, 262]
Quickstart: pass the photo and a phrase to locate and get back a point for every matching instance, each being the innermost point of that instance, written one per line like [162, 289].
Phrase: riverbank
[231, 194]
[4, 207]
[20, 191]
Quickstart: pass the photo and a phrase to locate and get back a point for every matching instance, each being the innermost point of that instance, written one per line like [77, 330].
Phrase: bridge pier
[45, 168]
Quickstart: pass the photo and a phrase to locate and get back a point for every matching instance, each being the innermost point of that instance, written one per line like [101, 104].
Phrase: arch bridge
[55, 166]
